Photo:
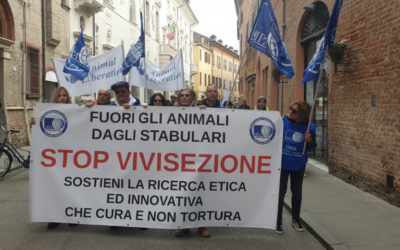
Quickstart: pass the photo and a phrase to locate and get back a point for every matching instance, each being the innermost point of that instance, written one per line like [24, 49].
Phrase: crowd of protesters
[295, 120]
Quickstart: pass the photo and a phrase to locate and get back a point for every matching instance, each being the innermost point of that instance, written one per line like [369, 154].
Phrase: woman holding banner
[295, 126]
[187, 98]
[61, 96]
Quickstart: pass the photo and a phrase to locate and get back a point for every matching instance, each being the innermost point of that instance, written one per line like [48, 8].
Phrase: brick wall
[364, 141]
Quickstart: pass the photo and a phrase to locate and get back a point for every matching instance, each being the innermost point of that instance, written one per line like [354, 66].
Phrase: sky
[217, 17]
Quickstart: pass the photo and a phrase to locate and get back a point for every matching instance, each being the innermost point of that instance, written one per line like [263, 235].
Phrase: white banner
[170, 78]
[105, 70]
[160, 167]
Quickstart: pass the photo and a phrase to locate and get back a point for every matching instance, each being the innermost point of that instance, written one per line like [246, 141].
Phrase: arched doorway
[7, 38]
[312, 33]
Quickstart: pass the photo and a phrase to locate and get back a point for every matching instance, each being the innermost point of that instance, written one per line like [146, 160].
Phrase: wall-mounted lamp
[310, 6]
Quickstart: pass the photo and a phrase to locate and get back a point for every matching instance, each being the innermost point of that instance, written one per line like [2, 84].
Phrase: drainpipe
[23, 85]
[283, 39]
[222, 69]
[44, 35]
[94, 37]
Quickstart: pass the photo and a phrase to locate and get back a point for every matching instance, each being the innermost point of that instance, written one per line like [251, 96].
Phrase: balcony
[167, 49]
[90, 6]
[193, 69]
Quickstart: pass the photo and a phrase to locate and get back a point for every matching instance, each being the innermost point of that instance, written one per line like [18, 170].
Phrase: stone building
[31, 32]
[224, 61]
[358, 105]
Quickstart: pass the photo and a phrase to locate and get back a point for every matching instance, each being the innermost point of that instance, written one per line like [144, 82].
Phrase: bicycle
[7, 151]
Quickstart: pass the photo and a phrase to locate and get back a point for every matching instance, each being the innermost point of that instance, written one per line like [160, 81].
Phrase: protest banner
[105, 70]
[169, 78]
[160, 167]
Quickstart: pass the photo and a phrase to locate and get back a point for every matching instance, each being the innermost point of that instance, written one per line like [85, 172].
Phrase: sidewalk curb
[328, 240]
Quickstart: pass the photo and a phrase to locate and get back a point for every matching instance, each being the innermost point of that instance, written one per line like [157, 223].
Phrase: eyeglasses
[120, 92]
[158, 101]
[293, 110]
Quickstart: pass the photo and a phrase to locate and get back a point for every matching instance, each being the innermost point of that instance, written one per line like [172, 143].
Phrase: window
[225, 63]
[147, 17]
[230, 85]
[200, 55]
[33, 71]
[220, 82]
[209, 77]
[158, 28]
[64, 2]
[252, 19]
[213, 80]
[247, 31]
[132, 8]
[205, 57]
[82, 23]
[230, 66]
[218, 62]
[205, 79]
[213, 59]
[200, 79]
[235, 68]
[241, 38]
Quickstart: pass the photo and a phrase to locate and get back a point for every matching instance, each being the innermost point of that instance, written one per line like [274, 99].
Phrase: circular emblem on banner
[262, 130]
[53, 123]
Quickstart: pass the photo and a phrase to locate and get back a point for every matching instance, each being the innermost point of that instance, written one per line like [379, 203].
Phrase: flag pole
[315, 96]
[144, 59]
[90, 86]
[237, 73]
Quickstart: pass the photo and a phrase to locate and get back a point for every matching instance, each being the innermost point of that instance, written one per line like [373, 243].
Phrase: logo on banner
[53, 123]
[262, 130]
[294, 136]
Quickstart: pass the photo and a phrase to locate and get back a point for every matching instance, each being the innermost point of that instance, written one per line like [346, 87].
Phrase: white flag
[226, 93]
[105, 70]
[170, 78]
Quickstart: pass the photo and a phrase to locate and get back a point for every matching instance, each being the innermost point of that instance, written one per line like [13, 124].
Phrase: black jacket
[244, 107]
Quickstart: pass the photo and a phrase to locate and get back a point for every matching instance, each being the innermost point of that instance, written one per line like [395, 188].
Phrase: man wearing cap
[244, 106]
[123, 95]
[211, 100]
[173, 99]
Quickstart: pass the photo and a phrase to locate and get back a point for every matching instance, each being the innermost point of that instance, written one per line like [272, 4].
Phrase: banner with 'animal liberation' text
[160, 167]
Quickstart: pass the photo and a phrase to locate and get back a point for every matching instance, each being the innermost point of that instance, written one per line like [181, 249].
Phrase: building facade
[224, 61]
[109, 23]
[202, 57]
[356, 110]
[31, 32]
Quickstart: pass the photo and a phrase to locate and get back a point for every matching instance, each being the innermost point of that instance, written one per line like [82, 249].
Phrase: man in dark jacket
[211, 100]
[244, 106]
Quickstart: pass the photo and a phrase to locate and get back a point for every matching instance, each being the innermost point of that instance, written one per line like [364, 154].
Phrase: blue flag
[136, 52]
[311, 73]
[266, 38]
[77, 63]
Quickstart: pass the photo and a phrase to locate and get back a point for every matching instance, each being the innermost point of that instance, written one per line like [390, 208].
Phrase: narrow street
[16, 232]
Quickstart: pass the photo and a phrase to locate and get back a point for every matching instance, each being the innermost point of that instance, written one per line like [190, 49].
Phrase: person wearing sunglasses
[261, 104]
[157, 100]
[295, 132]
[123, 95]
